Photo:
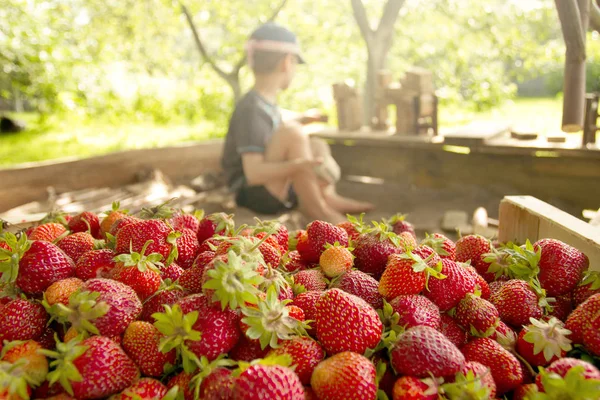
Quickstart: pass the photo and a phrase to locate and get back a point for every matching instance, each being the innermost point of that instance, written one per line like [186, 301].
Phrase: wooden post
[349, 112]
[380, 119]
[591, 119]
[574, 20]
[525, 217]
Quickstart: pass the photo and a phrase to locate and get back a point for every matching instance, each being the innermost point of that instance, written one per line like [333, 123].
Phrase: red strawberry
[103, 366]
[187, 248]
[561, 266]
[122, 223]
[307, 301]
[411, 388]
[350, 230]
[42, 265]
[204, 258]
[268, 382]
[307, 251]
[48, 232]
[140, 272]
[360, 284]
[281, 232]
[345, 375]
[471, 248]
[582, 316]
[561, 367]
[60, 291]
[183, 381]
[248, 350]
[591, 335]
[34, 364]
[373, 248]
[495, 286]
[86, 222]
[516, 302]
[447, 292]
[22, 320]
[318, 234]
[185, 221]
[540, 342]
[399, 224]
[480, 283]
[450, 328]
[145, 388]
[311, 279]
[172, 272]
[422, 351]
[141, 342]
[525, 392]
[46, 339]
[218, 385]
[345, 322]
[474, 380]
[505, 367]
[443, 246]
[155, 304]
[293, 262]
[415, 310]
[76, 244]
[477, 316]
[191, 279]
[210, 244]
[589, 286]
[95, 264]
[215, 224]
[133, 238]
[562, 307]
[305, 352]
[271, 240]
[111, 217]
[407, 273]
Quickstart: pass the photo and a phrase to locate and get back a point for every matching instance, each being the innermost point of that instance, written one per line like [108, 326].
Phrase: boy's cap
[276, 38]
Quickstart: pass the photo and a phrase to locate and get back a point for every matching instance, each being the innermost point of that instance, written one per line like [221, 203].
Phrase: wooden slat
[525, 217]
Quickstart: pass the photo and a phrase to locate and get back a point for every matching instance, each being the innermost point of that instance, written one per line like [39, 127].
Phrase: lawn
[81, 138]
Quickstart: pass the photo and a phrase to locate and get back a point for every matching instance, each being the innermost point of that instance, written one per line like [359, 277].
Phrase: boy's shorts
[261, 201]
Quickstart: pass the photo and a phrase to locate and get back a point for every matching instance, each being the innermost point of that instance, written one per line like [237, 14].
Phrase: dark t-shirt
[250, 128]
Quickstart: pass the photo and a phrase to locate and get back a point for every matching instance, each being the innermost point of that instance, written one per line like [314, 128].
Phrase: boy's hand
[313, 115]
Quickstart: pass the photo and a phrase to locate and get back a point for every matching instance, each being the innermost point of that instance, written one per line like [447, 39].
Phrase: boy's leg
[344, 205]
[288, 143]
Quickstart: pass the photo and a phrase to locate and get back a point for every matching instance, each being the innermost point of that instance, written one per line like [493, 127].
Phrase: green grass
[60, 138]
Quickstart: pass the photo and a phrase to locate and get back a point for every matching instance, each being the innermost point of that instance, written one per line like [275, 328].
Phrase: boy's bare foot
[346, 205]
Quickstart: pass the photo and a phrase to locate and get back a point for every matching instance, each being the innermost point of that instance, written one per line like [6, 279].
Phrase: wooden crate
[525, 217]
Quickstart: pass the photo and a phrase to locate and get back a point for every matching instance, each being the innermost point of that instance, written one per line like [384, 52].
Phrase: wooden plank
[525, 217]
[476, 133]
[29, 182]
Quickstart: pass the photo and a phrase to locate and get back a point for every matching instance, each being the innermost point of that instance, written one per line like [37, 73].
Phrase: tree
[232, 77]
[379, 42]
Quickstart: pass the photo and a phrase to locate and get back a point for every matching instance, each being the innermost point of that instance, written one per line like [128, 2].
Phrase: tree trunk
[574, 19]
[375, 63]
[595, 15]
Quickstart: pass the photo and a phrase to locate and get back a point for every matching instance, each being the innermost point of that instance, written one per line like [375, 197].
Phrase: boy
[272, 165]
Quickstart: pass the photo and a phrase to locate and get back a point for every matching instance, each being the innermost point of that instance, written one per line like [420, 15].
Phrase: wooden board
[30, 182]
[476, 133]
[525, 217]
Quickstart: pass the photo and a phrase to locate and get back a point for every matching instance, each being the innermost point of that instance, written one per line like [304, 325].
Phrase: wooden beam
[525, 217]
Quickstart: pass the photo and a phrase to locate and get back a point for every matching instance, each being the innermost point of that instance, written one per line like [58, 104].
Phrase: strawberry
[42, 265]
[543, 342]
[203, 258]
[335, 260]
[172, 272]
[589, 286]
[450, 328]
[95, 264]
[46, 339]
[60, 291]
[481, 284]
[145, 388]
[525, 392]
[307, 301]
[191, 279]
[477, 316]
[273, 277]
[307, 251]
[182, 381]
[495, 286]
[93, 368]
[408, 273]
[111, 217]
[185, 221]
[561, 266]
[562, 307]
[311, 280]
[86, 222]
[22, 320]
[305, 352]
[260, 382]
[345, 322]
[567, 376]
[141, 342]
[248, 350]
[443, 246]
[154, 304]
[591, 335]
[472, 248]
[422, 351]
[122, 223]
[48, 232]
[210, 244]
[216, 385]
[399, 224]
[516, 302]
[581, 316]
[345, 375]
[360, 284]
[139, 271]
[373, 248]
[473, 369]
[293, 262]
[76, 244]
[34, 365]
[270, 239]
[350, 230]
[415, 310]
[281, 233]
[187, 248]
[133, 238]
[215, 224]
[504, 366]
[411, 388]
[447, 292]
[319, 234]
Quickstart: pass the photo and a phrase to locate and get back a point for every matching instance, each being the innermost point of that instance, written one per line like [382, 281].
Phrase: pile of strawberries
[169, 305]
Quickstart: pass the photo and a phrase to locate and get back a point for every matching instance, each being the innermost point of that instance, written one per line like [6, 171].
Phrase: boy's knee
[292, 132]
[319, 146]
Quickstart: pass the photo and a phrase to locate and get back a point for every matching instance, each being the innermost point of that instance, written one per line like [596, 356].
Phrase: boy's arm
[307, 117]
[259, 172]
